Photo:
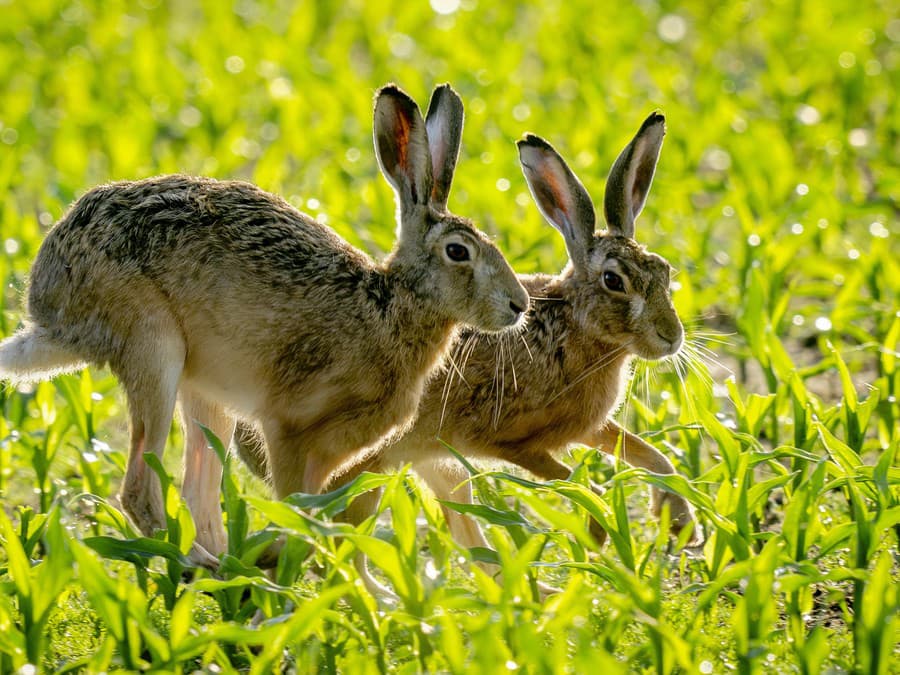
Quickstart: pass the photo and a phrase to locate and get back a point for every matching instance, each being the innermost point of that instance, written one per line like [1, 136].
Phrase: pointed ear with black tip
[444, 124]
[559, 195]
[631, 175]
[401, 145]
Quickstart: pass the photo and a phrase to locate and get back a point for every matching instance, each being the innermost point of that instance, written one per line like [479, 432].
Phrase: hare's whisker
[699, 358]
[602, 362]
[445, 396]
[687, 366]
[455, 368]
[711, 336]
[461, 353]
[467, 349]
[649, 376]
[690, 402]
[512, 363]
[496, 386]
[695, 346]
[700, 367]
[527, 348]
[502, 384]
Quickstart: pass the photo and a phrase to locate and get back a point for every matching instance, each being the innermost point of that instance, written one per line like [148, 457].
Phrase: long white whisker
[448, 384]
[696, 347]
[602, 362]
[499, 382]
[468, 348]
[512, 363]
[688, 399]
[693, 363]
[649, 374]
[456, 367]
[697, 355]
[462, 352]
[629, 387]
[445, 396]
[710, 335]
[527, 349]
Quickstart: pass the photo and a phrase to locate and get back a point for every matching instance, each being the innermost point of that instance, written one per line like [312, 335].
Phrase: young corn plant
[35, 588]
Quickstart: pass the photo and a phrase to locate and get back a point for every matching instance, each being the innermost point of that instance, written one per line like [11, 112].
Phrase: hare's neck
[420, 331]
[582, 358]
[593, 358]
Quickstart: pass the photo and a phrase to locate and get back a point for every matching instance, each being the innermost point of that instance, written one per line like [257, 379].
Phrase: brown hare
[230, 302]
[610, 303]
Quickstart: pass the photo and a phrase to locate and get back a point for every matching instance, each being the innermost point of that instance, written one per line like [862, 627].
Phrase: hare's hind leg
[449, 481]
[203, 470]
[304, 459]
[150, 370]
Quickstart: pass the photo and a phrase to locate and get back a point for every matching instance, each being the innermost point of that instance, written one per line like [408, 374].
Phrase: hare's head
[443, 258]
[618, 291]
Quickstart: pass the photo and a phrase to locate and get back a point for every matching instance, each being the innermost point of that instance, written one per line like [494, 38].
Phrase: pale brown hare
[230, 302]
[565, 373]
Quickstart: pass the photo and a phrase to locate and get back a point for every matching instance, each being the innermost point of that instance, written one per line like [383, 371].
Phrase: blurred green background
[779, 112]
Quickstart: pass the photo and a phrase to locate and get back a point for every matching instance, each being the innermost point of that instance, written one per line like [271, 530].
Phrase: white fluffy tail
[31, 355]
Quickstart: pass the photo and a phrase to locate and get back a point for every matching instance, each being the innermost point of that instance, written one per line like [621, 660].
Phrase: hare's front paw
[681, 514]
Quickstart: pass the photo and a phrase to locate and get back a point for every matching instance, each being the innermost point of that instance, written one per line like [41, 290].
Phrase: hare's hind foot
[141, 494]
[383, 595]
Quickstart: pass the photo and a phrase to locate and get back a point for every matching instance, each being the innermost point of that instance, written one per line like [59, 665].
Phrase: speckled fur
[250, 309]
[569, 361]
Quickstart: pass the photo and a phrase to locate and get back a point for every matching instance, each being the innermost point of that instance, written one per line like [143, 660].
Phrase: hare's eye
[613, 282]
[457, 252]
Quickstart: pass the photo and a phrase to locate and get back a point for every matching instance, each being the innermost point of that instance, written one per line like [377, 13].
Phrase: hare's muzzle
[518, 307]
[508, 311]
[671, 337]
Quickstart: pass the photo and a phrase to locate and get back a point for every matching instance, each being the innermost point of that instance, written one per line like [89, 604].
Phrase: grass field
[776, 198]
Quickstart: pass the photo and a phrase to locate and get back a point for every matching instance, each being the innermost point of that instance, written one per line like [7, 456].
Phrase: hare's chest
[569, 418]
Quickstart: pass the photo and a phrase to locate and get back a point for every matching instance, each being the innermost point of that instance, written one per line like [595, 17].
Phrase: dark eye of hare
[613, 282]
[457, 252]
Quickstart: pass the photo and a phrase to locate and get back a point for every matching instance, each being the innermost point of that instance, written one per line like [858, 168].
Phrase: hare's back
[168, 216]
[199, 242]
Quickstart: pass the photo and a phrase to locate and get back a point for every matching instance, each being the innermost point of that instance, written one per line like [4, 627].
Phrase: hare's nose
[673, 335]
[669, 336]
[515, 308]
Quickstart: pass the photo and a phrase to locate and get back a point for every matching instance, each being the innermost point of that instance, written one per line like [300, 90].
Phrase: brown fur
[526, 399]
[241, 306]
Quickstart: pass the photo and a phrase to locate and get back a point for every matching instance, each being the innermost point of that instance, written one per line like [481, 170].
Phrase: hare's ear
[631, 175]
[401, 145]
[560, 196]
[444, 123]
